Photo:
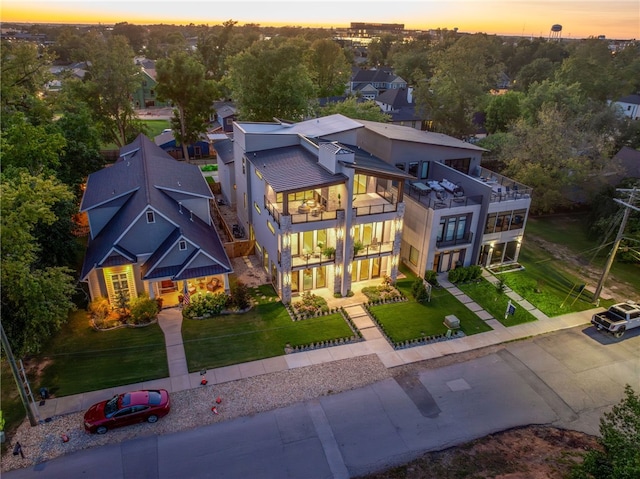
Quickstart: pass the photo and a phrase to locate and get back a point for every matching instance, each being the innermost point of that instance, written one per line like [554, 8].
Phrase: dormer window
[182, 245]
[151, 217]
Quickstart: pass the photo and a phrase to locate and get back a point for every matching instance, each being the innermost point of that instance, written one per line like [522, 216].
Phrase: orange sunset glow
[616, 19]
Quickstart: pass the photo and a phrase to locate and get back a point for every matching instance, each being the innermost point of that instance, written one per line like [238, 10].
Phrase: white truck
[618, 318]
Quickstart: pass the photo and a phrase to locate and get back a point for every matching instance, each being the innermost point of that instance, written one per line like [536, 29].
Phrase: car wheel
[152, 418]
[619, 334]
[101, 430]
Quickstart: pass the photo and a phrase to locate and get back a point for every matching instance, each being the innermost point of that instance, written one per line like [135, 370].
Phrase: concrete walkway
[170, 320]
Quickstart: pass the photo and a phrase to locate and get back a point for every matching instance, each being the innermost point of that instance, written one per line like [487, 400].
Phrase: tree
[213, 50]
[35, 301]
[537, 71]
[552, 156]
[181, 80]
[269, 80]
[34, 148]
[81, 155]
[502, 110]
[620, 440]
[358, 110]
[462, 75]
[135, 34]
[25, 72]
[109, 85]
[328, 67]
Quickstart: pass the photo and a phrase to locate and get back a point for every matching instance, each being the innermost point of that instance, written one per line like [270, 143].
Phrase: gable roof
[633, 99]
[146, 178]
[396, 98]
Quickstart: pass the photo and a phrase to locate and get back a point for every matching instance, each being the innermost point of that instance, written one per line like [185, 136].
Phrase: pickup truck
[618, 318]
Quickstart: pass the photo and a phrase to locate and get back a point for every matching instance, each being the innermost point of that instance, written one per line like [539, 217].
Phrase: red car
[127, 408]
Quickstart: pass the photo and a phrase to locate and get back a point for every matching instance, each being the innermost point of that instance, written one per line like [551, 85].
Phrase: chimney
[410, 95]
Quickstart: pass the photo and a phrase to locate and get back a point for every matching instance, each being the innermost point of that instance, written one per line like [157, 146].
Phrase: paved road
[567, 379]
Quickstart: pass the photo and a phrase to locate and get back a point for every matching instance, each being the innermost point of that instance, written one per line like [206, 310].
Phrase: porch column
[340, 269]
[285, 259]
[397, 242]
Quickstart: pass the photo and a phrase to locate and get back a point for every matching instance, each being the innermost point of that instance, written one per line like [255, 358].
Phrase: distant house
[226, 114]
[151, 229]
[630, 106]
[166, 141]
[399, 104]
[146, 96]
[370, 83]
[626, 164]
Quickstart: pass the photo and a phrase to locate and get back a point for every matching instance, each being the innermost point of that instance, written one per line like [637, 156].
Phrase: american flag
[187, 299]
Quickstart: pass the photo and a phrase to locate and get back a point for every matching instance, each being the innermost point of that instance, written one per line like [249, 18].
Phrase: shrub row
[465, 273]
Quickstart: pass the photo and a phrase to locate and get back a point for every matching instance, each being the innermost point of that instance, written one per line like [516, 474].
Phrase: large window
[452, 228]
[360, 184]
[413, 168]
[460, 164]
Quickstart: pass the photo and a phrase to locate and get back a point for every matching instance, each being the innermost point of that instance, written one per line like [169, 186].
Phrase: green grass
[545, 285]
[411, 320]
[571, 231]
[155, 127]
[82, 359]
[487, 296]
[12, 409]
[263, 332]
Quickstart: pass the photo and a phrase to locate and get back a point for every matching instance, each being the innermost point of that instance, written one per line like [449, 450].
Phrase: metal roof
[405, 133]
[292, 168]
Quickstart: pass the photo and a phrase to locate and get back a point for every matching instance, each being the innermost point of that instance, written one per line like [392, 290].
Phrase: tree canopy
[358, 110]
[268, 81]
[181, 80]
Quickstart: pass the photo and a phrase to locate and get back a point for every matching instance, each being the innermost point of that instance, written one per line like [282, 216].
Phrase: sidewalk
[170, 320]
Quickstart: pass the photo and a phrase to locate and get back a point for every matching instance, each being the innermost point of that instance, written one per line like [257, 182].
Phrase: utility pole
[17, 377]
[628, 206]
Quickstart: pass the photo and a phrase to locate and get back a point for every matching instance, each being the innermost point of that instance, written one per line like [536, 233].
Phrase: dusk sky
[616, 19]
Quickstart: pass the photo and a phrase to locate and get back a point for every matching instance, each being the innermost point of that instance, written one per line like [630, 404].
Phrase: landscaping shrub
[202, 306]
[466, 273]
[431, 277]
[419, 290]
[142, 309]
[99, 309]
[454, 275]
[239, 296]
[311, 304]
[475, 272]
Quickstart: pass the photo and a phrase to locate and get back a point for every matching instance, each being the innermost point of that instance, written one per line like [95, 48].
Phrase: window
[413, 256]
[271, 228]
[400, 166]
[244, 165]
[360, 184]
[258, 174]
[461, 164]
[120, 285]
[151, 217]
[255, 205]
[413, 168]
[424, 170]
[182, 245]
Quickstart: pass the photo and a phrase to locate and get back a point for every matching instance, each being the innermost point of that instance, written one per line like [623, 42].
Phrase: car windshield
[111, 407]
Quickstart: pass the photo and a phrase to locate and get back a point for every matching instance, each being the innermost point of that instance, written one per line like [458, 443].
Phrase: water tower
[556, 32]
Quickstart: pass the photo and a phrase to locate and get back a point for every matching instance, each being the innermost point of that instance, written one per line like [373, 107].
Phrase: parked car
[127, 408]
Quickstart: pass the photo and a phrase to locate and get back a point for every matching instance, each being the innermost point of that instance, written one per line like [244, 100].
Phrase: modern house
[332, 201]
[150, 228]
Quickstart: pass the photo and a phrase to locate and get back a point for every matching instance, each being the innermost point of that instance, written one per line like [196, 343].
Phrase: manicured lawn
[263, 332]
[487, 296]
[545, 286]
[82, 359]
[411, 320]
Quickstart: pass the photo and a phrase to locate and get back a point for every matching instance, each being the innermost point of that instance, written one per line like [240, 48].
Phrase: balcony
[374, 249]
[502, 187]
[309, 260]
[439, 199]
[382, 201]
[467, 238]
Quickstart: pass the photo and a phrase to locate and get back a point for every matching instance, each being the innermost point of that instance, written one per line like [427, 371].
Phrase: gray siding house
[151, 229]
